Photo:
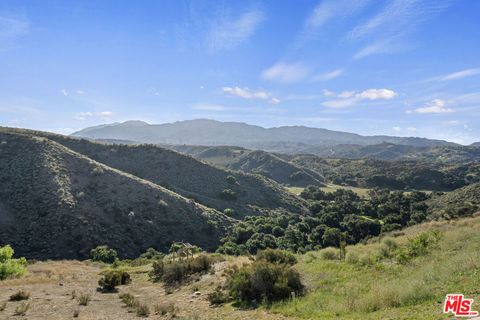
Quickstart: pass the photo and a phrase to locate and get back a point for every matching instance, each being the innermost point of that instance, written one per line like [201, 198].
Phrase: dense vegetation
[10, 267]
[336, 217]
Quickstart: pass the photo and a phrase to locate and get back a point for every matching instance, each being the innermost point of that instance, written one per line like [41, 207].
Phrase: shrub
[228, 194]
[231, 179]
[83, 299]
[152, 254]
[157, 271]
[352, 258]
[418, 246]
[218, 296]
[103, 254]
[277, 256]
[22, 309]
[113, 278]
[9, 267]
[165, 307]
[229, 212]
[329, 254]
[20, 295]
[178, 271]
[264, 281]
[143, 310]
[129, 300]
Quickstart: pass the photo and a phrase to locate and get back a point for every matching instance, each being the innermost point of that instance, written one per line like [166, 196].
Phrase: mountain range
[290, 139]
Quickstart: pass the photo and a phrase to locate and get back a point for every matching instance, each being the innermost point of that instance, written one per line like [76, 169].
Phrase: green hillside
[458, 203]
[375, 282]
[56, 203]
[246, 194]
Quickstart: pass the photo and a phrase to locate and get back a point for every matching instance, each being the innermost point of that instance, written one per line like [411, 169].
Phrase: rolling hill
[214, 133]
[261, 162]
[57, 203]
[189, 177]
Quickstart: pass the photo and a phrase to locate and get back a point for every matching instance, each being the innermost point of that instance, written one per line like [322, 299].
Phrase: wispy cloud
[393, 23]
[285, 72]
[11, 27]
[247, 93]
[435, 106]
[328, 75]
[459, 74]
[227, 32]
[351, 98]
[103, 115]
[328, 10]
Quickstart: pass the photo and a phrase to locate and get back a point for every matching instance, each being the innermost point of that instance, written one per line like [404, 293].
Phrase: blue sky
[406, 67]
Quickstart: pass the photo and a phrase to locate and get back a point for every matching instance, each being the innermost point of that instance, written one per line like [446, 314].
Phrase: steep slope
[210, 132]
[461, 202]
[261, 162]
[189, 177]
[56, 203]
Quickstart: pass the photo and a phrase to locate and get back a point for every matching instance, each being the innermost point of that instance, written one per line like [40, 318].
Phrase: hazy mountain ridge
[57, 203]
[214, 133]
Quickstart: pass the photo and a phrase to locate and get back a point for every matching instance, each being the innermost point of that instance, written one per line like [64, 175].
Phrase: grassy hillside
[206, 184]
[57, 203]
[261, 162]
[371, 285]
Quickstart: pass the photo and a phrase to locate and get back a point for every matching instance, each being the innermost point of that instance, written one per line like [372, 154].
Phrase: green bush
[177, 272]
[152, 254]
[329, 254]
[229, 212]
[277, 256]
[157, 271]
[113, 278]
[11, 268]
[218, 296]
[231, 179]
[103, 254]
[418, 246]
[264, 281]
[228, 194]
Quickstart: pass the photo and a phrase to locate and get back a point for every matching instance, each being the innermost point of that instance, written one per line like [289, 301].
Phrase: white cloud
[397, 129]
[64, 92]
[208, 107]
[328, 10]
[328, 75]
[384, 46]
[350, 98]
[275, 101]
[412, 129]
[247, 93]
[328, 93]
[435, 106]
[286, 73]
[376, 94]
[226, 32]
[347, 94]
[460, 74]
[80, 92]
[104, 115]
